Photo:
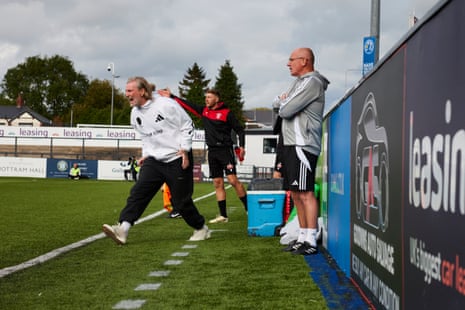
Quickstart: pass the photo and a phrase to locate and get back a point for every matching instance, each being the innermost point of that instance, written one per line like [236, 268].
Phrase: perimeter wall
[395, 156]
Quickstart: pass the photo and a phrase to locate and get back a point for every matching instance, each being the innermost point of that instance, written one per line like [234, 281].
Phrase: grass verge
[229, 271]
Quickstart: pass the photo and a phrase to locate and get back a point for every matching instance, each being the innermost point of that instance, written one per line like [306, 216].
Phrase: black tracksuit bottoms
[152, 175]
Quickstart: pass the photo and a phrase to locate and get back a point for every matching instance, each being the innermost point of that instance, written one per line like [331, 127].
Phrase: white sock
[301, 236]
[125, 226]
[310, 236]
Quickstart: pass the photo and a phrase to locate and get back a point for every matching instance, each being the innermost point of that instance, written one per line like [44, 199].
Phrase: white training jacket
[164, 127]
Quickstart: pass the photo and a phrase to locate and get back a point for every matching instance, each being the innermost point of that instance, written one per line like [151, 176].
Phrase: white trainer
[201, 234]
[219, 219]
[115, 232]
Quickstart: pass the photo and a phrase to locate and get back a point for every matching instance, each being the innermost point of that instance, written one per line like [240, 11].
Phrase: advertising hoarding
[59, 168]
[434, 175]
[23, 167]
[339, 185]
[376, 213]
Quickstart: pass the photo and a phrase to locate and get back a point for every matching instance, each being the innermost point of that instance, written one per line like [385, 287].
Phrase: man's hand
[164, 92]
[140, 161]
[185, 158]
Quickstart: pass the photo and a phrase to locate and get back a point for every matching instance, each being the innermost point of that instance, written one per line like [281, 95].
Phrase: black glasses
[292, 59]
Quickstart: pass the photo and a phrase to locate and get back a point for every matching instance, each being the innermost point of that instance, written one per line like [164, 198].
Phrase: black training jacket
[218, 123]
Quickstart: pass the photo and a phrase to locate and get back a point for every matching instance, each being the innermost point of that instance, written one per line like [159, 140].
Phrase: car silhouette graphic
[371, 168]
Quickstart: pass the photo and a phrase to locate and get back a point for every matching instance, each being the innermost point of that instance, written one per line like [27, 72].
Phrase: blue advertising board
[59, 168]
[339, 129]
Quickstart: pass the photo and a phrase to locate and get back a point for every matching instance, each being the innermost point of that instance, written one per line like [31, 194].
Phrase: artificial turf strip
[339, 292]
[229, 271]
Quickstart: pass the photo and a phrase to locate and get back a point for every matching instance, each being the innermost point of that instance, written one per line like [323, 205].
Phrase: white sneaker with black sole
[201, 234]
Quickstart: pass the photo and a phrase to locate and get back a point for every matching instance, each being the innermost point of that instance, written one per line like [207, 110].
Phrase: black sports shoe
[290, 246]
[296, 247]
[304, 249]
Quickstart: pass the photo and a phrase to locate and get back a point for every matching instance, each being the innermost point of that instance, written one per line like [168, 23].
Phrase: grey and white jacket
[302, 112]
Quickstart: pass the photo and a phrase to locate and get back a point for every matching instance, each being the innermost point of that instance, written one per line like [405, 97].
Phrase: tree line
[51, 87]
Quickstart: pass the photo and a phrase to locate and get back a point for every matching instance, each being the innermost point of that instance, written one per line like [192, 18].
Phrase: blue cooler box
[265, 212]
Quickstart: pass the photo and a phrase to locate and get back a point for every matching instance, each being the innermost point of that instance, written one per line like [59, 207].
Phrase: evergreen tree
[193, 87]
[229, 89]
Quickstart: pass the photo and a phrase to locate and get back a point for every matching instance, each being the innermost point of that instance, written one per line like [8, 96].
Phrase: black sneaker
[304, 249]
[296, 247]
[174, 214]
[290, 246]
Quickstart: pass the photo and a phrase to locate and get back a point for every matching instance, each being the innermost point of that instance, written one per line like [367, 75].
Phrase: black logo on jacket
[159, 118]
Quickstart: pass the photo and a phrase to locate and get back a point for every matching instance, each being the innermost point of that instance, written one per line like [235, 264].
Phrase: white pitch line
[160, 273]
[129, 304]
[54, 253]
[148, 287]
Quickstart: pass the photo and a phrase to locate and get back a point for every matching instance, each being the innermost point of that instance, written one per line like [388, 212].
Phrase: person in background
[301, 111]
[133, 169]
[74, 172]
[278, 163]
[219, 123]
[166, 132]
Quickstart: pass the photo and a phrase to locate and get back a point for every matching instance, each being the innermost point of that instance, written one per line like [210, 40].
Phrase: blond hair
[142, 83]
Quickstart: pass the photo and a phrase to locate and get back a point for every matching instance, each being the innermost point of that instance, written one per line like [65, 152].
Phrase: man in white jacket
[166, 132]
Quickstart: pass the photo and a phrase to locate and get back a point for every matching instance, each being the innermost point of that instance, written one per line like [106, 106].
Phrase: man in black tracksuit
[219, 122]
